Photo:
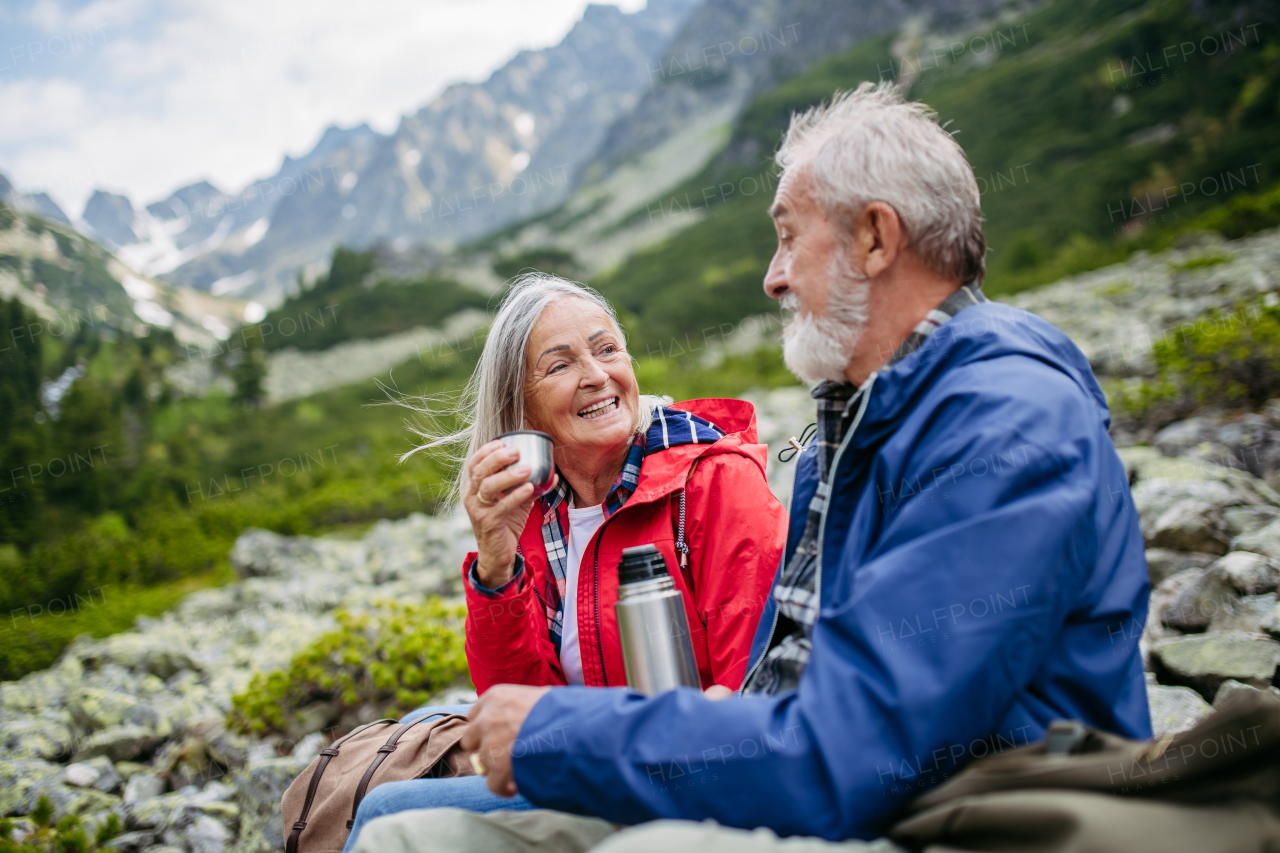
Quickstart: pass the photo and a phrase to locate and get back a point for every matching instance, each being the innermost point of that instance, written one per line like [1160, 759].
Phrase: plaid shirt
[840, 409]
[670, 428]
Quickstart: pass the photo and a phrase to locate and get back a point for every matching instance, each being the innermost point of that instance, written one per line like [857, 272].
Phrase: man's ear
[878, 238]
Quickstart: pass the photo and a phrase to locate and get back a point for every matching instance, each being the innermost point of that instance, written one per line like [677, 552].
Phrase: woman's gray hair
[870, 145]
[492, 402]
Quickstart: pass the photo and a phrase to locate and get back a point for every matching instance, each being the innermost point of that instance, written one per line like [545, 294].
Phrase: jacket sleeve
[736, 532]
[922, 650]
[506, 633]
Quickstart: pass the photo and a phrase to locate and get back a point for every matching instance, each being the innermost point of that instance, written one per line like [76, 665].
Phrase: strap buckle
[1064, 737]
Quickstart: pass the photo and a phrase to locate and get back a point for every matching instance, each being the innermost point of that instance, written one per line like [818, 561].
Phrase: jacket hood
[666, 470]
[979, 333]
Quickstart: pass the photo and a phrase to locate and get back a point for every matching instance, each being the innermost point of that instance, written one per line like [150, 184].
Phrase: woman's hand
[498, 500]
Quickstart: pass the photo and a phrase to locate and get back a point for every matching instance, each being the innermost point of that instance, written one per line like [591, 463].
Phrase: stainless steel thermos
[656, 647]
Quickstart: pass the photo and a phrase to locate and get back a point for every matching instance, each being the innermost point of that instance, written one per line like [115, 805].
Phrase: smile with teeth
[595, 410]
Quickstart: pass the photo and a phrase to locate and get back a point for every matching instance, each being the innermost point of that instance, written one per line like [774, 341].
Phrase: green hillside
[1072, 144]
[355, 300]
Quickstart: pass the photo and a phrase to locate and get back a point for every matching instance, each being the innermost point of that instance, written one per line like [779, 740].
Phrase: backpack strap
[326, 755]
[383, 751]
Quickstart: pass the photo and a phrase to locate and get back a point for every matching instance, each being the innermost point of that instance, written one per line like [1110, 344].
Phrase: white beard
[820, 347]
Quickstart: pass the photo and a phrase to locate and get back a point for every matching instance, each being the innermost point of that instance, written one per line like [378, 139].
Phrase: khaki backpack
[320, 806]
[1214, 788]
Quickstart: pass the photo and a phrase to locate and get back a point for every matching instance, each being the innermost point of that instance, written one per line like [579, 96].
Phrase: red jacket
[735, 529]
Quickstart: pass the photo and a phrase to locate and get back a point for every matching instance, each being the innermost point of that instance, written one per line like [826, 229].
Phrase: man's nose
[775, 278]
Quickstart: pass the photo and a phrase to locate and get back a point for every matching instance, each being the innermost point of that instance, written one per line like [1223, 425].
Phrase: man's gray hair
[492, 402]
[870, 145]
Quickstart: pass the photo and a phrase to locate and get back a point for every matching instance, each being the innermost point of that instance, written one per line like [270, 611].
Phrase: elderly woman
[541, 587]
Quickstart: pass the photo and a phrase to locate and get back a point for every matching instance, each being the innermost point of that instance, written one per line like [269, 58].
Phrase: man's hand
[493, 724]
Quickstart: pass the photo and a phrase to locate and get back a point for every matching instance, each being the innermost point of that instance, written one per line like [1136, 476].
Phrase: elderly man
[964, 563]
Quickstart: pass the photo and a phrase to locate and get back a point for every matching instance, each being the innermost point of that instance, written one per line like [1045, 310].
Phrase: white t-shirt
[583, 523]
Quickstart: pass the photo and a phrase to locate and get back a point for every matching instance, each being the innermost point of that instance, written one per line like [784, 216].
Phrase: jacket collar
[978, 333]
[666, 470]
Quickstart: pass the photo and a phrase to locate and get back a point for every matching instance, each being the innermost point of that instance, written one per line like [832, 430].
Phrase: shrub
[1224, 359]
[66, 836]
[394, 658]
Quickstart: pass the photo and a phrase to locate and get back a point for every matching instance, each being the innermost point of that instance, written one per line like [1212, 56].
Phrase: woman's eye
[556, 368]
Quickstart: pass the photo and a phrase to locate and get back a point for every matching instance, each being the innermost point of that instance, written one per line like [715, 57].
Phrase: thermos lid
[641, 563]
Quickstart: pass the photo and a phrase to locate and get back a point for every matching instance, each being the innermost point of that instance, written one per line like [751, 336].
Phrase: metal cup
[535, 451]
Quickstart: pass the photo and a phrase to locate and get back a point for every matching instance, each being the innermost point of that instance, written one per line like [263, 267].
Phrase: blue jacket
[982, 574]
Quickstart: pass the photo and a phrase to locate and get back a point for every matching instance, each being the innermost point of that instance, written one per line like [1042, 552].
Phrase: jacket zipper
[595, 597]
[822, 526]
[795, 475]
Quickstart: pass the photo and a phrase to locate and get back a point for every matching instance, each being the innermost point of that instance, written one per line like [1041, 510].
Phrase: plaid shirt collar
[624, 485]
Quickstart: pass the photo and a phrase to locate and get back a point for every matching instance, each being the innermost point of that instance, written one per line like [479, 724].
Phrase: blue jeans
[463, 792]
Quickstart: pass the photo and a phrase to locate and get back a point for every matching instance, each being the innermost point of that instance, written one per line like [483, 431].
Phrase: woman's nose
[593, 374]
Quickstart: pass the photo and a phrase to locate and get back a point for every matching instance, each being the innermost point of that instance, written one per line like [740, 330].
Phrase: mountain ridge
[540, 114]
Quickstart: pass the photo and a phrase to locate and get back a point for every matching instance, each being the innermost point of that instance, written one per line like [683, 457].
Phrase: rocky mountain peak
[112, 218]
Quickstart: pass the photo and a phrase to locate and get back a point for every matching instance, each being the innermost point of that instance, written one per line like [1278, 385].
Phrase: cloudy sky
[144, 96]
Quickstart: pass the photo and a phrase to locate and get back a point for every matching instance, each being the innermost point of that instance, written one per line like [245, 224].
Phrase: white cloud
[174, 93]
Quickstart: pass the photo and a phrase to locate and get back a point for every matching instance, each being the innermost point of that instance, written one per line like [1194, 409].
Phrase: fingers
[514, 500]
[483, 738]
[489, 459]
[499, 778]
[491, 488]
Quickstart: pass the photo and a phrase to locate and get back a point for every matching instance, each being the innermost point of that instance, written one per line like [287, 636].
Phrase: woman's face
[579, 385]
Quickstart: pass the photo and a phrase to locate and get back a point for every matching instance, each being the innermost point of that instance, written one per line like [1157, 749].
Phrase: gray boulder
[1230, 687]
[1247, 572]
[1189, 600]
[1240, 520]
[261, 553]
[1244, 614]
[35, 737]
[24, 781]
[1191, 525]
[142, 786]
[139, 653]
[119, 743]
[18, 777]
[1174, 709]
[1203, 662]
[1180, 437]
[95, 773]
[258, 791]
[1265, 541]
[1155, 497]
[132, 842]
[1163, 563]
